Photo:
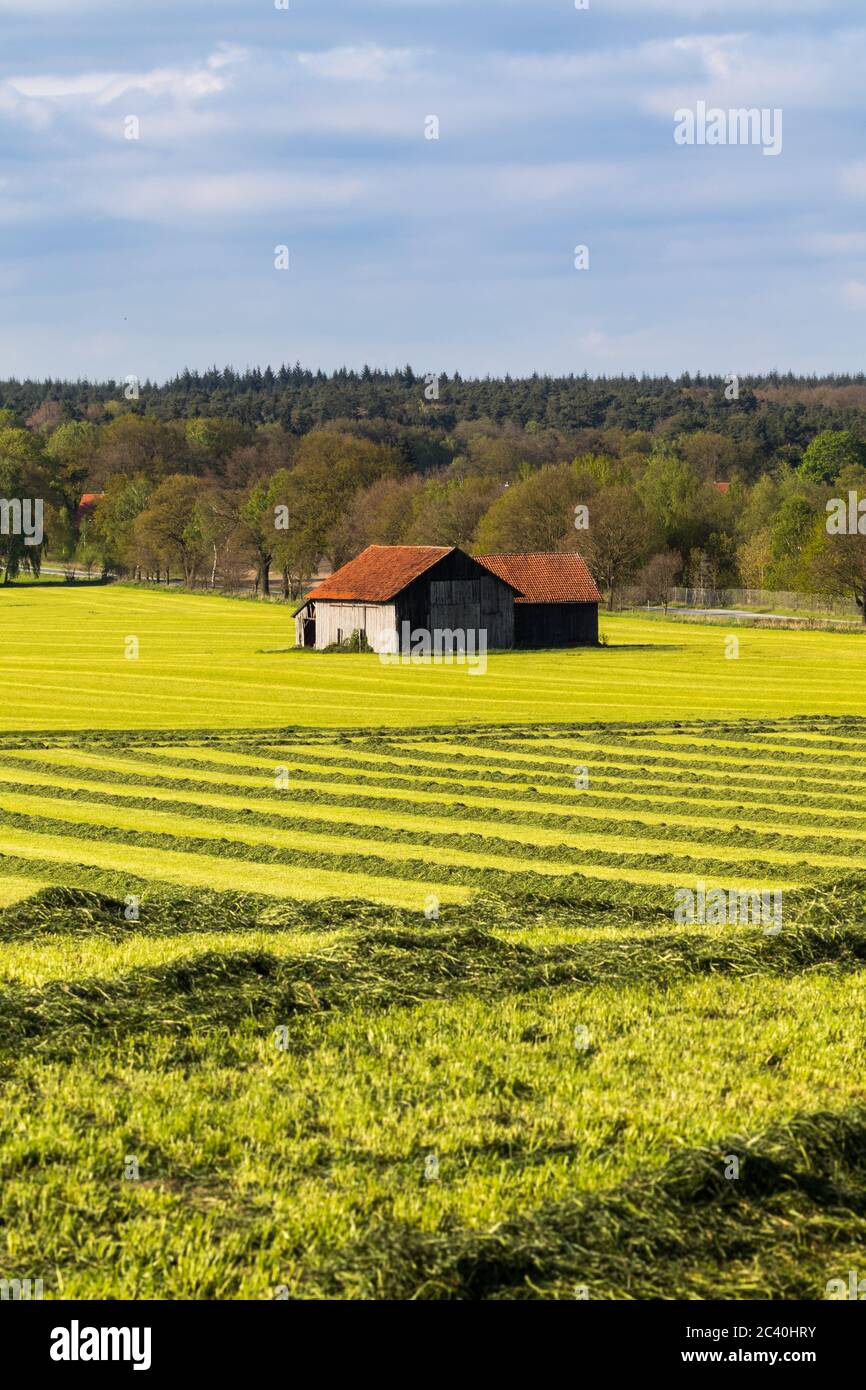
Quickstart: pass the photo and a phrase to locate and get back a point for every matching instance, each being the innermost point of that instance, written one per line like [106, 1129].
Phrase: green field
[306, 990]
[212, 663]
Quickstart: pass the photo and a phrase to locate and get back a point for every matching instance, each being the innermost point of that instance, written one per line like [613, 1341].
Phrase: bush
[357, 642]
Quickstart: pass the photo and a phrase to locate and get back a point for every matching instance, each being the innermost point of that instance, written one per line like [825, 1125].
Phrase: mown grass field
[292, 1009]
[212, 663]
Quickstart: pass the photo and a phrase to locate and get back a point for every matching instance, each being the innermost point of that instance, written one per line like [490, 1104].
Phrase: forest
[711, 482]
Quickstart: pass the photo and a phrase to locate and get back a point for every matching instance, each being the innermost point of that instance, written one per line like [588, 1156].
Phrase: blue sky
[305, 127]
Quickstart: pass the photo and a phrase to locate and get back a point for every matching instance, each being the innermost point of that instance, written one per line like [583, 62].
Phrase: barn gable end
[430, 588]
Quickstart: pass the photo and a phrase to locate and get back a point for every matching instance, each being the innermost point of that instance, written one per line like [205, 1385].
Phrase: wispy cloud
[367, 63]
[171, 198]
[101, 88]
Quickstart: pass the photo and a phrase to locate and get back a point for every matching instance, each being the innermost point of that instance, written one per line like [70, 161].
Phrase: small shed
[403, 588]
[557, 602]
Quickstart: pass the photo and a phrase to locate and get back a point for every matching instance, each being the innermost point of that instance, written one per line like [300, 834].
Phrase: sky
[307, 128]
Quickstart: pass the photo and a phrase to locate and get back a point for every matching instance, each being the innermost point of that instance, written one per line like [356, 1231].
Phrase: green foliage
[215, 437]
[20, 447]
[534, 513]
[329, 468]
[71, 451]
[829, 453]
[794, 523]
[171, 530]
[359, 459]
[114, 518]
[355, 642]
[670, 490]
[22, 491]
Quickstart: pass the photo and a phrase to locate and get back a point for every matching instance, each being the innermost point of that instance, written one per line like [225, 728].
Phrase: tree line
[211, 497]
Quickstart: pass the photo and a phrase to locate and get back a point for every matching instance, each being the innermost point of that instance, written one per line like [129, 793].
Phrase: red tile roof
[378, 573]
[723, 487]
[541, 578]
[89, 500]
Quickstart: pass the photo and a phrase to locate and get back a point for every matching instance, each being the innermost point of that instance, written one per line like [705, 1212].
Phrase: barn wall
[374, 619]
[555, 624]
[459, 594]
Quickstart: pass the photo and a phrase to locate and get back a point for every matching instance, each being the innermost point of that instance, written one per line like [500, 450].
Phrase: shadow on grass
[492, 651]
[53, 584]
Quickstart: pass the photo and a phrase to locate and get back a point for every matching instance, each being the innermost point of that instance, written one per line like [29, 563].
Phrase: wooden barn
[436, 588]
[557, 602]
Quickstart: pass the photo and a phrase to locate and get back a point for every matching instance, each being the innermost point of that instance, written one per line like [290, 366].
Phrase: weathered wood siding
[555, 624]
[456, 595]
[335, 622]
[459, 595]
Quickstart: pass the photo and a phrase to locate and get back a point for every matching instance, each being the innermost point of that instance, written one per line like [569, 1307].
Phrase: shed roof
[89, 500]
[545, 578]
[378, 573]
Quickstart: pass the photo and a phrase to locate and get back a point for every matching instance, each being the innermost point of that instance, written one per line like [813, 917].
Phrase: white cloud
[601, 347]
[103, 87]
[821, 73]
[173, 197]
[27, 112]
[366, 63]
[854, 293]
[50, 88]
[727, 69]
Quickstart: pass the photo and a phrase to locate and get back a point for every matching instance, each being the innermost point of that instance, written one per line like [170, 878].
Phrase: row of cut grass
[415, 799]
[515, 1116]
[500, 832]
[230, 875]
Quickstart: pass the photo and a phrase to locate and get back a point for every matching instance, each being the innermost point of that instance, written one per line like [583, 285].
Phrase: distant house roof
[378, 573]
[88, 501]
[723, 487]
[545, 578]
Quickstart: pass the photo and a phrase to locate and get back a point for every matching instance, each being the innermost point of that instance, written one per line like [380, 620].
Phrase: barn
[557, 599]
[402, 588]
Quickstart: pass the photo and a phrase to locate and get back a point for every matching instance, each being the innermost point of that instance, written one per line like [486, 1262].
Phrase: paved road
[758, 617]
